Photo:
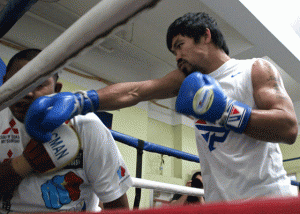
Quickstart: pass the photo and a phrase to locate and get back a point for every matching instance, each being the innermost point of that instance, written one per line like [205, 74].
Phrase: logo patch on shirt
[11, 134]
[61, 190]
[12, 123]
[212, 133]
[9, 155]
[233, 75]
[121, 172]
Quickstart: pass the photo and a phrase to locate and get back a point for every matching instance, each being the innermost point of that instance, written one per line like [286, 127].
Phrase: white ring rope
[95, 24]
[165, 187]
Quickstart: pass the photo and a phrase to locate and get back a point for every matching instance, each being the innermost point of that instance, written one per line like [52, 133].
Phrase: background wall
[289, 152]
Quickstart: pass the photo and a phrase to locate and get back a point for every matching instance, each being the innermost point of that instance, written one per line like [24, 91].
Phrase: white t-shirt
[235, 166]
[98, 170]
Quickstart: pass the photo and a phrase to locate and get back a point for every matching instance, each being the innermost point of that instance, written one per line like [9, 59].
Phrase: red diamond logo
[12, 123]
[9, 153]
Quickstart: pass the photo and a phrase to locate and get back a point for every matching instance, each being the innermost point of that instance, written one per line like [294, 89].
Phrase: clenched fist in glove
[201, 96]
[48, 112]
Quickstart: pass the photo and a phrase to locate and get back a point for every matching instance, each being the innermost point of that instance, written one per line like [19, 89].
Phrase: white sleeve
[103, 164]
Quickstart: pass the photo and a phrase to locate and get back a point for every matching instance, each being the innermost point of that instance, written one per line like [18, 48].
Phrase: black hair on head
[194, 25]
[196, 174]
[27, 54]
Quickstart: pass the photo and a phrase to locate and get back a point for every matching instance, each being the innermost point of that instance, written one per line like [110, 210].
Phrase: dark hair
[195, 175]
[194, 25]
[28, 55]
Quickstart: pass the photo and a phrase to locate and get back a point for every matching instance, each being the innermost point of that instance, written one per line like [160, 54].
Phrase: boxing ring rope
[171, 188]
[97, 23]
[291, 159]
[152, 147]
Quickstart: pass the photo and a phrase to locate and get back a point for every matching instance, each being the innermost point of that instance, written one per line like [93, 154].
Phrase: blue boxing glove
[47, 113]
[202, 97]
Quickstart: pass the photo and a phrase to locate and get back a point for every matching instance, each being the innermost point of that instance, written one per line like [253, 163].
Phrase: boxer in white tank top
[234, 165]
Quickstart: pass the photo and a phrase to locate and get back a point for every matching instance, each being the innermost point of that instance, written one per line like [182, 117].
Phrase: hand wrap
[61, 150]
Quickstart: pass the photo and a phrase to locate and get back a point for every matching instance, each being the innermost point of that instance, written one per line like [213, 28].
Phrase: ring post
[139, 165]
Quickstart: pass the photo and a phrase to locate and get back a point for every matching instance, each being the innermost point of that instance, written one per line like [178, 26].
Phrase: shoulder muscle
[268, 88]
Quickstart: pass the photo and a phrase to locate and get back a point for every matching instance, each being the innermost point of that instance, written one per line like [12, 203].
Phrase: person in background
[195, 182]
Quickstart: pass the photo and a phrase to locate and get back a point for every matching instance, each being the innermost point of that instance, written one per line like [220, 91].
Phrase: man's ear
[207, 35]
[58, 87]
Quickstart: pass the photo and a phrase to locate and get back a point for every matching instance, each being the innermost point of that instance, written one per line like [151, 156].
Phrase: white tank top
[236, 166]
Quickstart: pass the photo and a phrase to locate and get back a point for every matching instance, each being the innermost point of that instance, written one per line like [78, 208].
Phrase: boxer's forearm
[272, 126]
[127, 94]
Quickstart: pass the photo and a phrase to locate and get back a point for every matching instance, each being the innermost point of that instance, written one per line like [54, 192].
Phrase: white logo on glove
[203, 100]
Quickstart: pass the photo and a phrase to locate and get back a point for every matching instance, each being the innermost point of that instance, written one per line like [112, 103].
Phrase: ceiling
[137, 51]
